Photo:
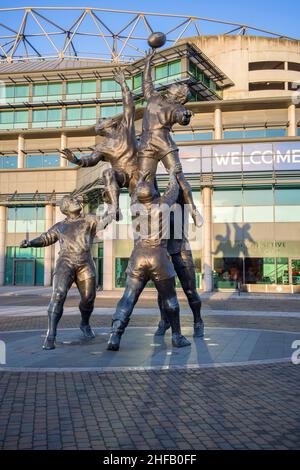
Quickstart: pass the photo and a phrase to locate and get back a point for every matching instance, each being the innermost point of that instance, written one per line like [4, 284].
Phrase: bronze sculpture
[75, 263]
[132, 167]
[119, 148]
[160, 114]
[149, 260]
[181, 255]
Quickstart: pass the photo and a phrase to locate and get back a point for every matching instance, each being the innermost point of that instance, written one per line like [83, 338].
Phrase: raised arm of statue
[91, 160]
[148, 87]
[127, 97]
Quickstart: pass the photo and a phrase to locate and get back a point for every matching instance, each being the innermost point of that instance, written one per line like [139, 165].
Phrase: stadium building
[241, 152]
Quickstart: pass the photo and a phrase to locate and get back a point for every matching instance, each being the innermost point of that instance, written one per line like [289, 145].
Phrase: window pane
[54, 117]
[39, 89]
[9, 162]
[287, 197]
[287, 213]
[34, 161]
[107, 85]
[296, 271]
[89, 87]
[258, 214]
[282, 270]
[39, 118]
[73, 116]
[73, 89]
[227, 198]
[227, 272]
[260, 270]
[227, 214]
[54, 91]
[109, 111]
[137, 81]
[21, 117]
[120, 274]
[258, 197]
[89, 114]
[161, 71]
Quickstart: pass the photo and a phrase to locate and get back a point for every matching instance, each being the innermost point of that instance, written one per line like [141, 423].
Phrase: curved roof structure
[31, 33]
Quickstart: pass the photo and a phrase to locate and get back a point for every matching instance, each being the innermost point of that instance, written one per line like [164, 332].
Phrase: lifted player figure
[161, 113]
[75, 263]
[119, 148]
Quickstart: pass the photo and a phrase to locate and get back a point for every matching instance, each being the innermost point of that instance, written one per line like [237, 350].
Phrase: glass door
[24, 272]
[295, 271]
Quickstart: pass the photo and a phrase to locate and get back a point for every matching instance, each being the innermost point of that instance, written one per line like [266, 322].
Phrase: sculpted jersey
[74, 236]
[151, 222]
[159, 117]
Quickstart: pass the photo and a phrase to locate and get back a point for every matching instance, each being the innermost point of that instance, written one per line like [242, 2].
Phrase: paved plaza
[234, 389]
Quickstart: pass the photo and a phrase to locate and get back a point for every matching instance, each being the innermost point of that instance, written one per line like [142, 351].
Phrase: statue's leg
[121, 317]
[171, 162]
[112, 190]
[185, 270]
[164, 323]
[62, 282]
[87, 290]
[148, 164]
[167, 292]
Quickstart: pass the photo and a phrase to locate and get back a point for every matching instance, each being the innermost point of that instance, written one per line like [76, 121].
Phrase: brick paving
[247, 407]
[254, 407]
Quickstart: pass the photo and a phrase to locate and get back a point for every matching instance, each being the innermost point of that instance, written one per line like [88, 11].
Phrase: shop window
[295, 66]
[260, 271]
[295, 264]
[7, 162]
[227, 272]
[120, 271]
[46, 91]
[50, 117]
[282, 270]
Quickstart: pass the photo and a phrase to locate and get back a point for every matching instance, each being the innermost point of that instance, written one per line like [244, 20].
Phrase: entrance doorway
[24, 272]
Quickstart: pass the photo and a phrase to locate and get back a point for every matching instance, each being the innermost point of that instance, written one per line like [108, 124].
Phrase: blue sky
[273, 15]
[276, 15]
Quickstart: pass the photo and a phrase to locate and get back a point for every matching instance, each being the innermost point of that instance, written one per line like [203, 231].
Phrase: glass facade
[10, 161]
[168, 73]
[50, 117]
[47, 91]
[16, 119]
[24, 266]
[110, 111]
[25, 219]
[42, 161]
[81, 90]
[254, 133]
[15, 94]
[81, 116]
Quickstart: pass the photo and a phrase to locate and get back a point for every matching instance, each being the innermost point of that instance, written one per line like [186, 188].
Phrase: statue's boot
[199, 329]
[53, 319]
[178, 340]
[87, 331]
[117, 330]
[163, 326]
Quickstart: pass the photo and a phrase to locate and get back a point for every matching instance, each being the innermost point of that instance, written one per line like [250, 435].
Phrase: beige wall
[233, 53]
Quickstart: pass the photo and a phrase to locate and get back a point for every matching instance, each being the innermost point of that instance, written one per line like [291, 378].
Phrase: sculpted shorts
[150, 263]
[75, 270]
[156, 145]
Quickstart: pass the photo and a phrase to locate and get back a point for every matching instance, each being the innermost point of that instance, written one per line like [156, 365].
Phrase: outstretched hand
[25, 244]
[150, 54]
[119, 75]
[69, 155]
